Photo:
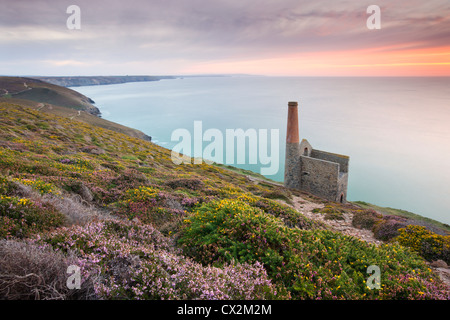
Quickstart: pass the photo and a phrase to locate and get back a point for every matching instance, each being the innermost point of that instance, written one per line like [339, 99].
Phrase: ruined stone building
[318, 172]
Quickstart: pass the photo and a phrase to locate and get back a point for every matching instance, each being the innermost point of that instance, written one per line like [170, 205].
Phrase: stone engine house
[320, 173]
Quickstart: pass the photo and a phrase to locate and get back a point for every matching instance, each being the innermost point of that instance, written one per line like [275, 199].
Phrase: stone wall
[342, 187]
[319, 177]
[332, 157]
[292, 166]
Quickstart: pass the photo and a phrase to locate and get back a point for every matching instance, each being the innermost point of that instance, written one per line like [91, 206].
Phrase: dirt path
[344, 226]
[77, 115]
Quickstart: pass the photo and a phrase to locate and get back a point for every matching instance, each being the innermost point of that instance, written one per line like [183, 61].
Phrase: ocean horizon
[394, 129]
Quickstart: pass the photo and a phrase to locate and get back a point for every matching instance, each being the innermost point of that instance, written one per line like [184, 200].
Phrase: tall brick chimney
[292, 135]
[292, 163]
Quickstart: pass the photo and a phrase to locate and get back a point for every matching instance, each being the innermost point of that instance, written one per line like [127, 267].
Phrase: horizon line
[233, 75]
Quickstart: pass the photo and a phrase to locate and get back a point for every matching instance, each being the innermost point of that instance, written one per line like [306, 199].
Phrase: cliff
[99, 80]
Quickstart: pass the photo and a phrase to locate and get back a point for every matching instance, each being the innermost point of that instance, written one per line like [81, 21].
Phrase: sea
[396, 130]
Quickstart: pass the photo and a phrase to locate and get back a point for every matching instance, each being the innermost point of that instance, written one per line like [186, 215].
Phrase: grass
[249, 173]
[84, 117]
[404, 213]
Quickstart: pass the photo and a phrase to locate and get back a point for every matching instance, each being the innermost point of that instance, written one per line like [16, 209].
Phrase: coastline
[78, 81]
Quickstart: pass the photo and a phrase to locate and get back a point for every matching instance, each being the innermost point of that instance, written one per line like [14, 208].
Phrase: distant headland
[78, 81]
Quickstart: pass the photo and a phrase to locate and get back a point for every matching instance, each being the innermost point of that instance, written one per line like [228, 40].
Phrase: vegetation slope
[140, 227]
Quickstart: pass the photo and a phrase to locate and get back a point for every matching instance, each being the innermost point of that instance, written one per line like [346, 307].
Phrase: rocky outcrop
[439, 264]
[92, 110]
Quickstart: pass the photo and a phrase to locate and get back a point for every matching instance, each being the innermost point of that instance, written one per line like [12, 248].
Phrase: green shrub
[289, 216]
[311, 264]
[428, 244]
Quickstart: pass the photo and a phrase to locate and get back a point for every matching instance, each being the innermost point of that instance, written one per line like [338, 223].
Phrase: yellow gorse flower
[24, 202]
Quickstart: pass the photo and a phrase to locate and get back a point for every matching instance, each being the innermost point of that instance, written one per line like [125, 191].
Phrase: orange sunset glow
[367, 62]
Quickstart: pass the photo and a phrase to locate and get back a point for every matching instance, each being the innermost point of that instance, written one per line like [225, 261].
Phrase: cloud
[75, 63]
[40, 34]
[201, 31]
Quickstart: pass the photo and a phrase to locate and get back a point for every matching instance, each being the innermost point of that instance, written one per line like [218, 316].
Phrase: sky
[264, 37]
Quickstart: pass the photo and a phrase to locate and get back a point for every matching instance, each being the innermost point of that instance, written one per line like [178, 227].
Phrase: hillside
[140, 227]
[64, 102]
[44, 92]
